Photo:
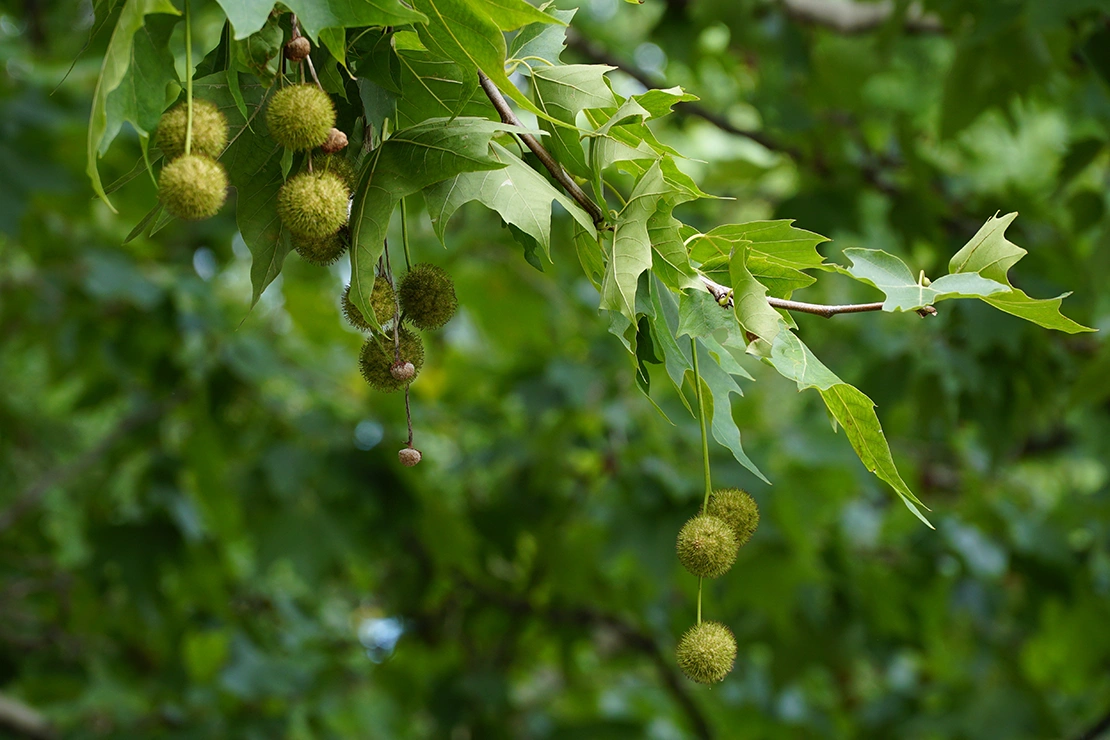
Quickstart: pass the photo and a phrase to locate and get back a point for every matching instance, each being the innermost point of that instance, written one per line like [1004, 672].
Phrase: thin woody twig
[723, 294]
[556, 169]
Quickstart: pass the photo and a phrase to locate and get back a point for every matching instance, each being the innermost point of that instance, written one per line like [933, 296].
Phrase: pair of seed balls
[707, 547]
[426, 299]
[192, 186]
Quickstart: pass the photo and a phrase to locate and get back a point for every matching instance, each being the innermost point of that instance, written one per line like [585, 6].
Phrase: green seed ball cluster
[737, 508]
[193, 187]
[300, 116]
[313, 205]
[322, 252]
[381, 301]
[209, 130]
[706, 652]
[427, 296]
[376, 359]
[707, 546]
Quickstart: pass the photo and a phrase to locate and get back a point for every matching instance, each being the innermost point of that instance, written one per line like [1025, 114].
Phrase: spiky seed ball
[340, 166]
[403, 371]
[297, 49]
[381, 301]
[313, 205]
[322, 252]
[300, 116]
[376, 359]
[737, 508]
[336, 141]
[427, 296]
[409, 456]
[209, 130]
[706, 652]
[193, 187]
[707, 546]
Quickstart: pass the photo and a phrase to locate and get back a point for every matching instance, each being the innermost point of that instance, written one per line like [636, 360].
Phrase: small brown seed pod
[297, 49]
[337, 141]
[403, 371]
[409, 456]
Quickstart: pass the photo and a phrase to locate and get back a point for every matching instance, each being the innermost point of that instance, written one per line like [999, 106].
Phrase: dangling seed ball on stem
[409, 456]
[706, 652]
[300, 116]
[737, 508]
[427, 296]
[325, 251]
[381, 301]
[313, 205]
[209, 130]
[193, 187]
[377, 358]
[707, 546]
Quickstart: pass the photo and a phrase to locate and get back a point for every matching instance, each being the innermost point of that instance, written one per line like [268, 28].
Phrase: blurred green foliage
[205, 532]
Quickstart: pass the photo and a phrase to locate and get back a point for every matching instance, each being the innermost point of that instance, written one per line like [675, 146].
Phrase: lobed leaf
[904, 292]
[851, 409]
[520, 194]
[990, 254]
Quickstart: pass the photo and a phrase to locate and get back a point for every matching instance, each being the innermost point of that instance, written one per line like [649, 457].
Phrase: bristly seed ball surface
[409, 456]
[707, 546]
[300, 116]
[706, 652]
[322, 252]
[340, 166]
[209, 130]
[376, 359]
[381, 301]
[193, 187]
[427, 296]
[739, 509]
[313, 205]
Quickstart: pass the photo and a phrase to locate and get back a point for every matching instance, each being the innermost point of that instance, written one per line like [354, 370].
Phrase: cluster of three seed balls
[312, 205]
[425, 298]
[192, 186]
[707, 547]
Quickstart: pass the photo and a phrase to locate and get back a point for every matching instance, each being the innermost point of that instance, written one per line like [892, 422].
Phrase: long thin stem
[405, 233]
[188, 80]
[704, 447]
[556, 169]
[701, 420]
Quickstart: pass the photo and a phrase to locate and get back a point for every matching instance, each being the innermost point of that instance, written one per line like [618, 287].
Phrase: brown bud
[337, 140]
[409, 456]
[402, 371]
[297, 49]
